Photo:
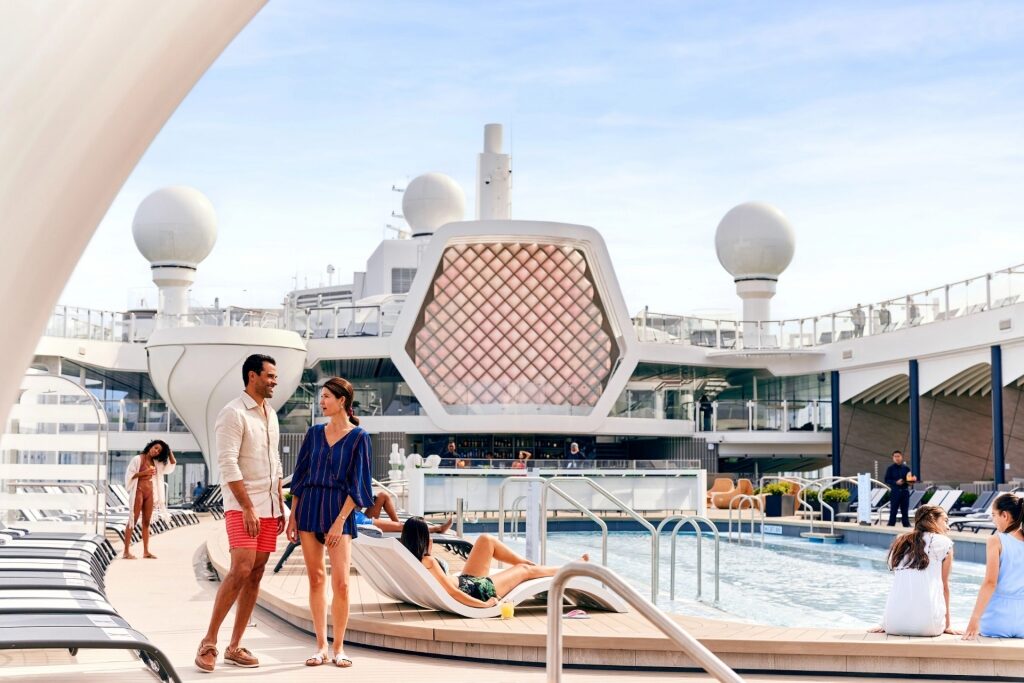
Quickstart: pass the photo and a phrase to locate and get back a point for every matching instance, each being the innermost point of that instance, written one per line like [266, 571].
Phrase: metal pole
[998, 451]
[915, 420]
[458, 517]
[837, 443]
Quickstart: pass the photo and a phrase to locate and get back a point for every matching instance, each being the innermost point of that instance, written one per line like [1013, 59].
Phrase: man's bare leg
[242, 562]
[250, 590]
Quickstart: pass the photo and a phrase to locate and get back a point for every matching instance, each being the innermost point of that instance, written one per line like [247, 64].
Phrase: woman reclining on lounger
[474, 587]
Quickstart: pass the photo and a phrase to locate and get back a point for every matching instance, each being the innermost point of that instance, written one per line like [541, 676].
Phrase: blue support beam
[836, 441]
[998, 447]
[915, 421]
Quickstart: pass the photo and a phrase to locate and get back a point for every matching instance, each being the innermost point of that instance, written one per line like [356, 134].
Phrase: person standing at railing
[898, 477]
[706, 411]
[858, 318]
[884, 318]
[147, 491]
[574, 456]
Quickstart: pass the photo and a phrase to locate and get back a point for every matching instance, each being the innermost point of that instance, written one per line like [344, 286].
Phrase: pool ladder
[694, 521]
[548, 483]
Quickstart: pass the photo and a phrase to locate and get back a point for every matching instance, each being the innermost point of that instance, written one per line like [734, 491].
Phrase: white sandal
[342, 660]
[317, 659]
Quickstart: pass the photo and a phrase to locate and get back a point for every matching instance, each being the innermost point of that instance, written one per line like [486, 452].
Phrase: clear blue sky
[891, 135]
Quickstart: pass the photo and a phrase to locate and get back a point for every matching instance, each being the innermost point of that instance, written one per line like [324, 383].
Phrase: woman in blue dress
[999, 610]
[331, 481]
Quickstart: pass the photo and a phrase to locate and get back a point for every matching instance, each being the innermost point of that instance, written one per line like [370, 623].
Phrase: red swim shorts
[238, 537]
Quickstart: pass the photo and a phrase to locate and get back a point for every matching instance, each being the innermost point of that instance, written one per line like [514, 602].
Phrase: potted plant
[837, 499]
[778, 501]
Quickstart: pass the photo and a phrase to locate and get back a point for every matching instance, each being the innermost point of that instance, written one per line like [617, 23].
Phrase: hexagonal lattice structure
[509, 323]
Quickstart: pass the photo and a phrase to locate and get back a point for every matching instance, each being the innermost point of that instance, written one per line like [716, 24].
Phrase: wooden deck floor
[170, 602]
[627, 640]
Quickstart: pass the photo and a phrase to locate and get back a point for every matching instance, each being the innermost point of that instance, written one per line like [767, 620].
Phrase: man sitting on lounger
[474, 587]
[382, 503]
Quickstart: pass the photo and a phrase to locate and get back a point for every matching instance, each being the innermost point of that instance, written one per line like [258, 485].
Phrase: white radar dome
[432, 200]
[755, 241]
[175, 226]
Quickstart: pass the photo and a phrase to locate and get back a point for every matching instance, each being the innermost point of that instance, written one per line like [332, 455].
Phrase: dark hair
[165, 450]
[254, 363]
[911, 545]
[895, 452]
[342, 388]
[416, 537]
[1012, 505]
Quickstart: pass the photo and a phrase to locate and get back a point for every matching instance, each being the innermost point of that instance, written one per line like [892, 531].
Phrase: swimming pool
[788, 582]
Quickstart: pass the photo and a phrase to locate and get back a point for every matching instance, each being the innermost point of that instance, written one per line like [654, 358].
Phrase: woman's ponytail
[342, 388]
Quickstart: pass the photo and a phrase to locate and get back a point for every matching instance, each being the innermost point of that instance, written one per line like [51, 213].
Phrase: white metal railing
[694, 521]
[997, 289]
[37, 435]
[764, 415]
[690, 646]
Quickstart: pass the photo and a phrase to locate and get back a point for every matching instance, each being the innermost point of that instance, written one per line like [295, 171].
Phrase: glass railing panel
[769, 416]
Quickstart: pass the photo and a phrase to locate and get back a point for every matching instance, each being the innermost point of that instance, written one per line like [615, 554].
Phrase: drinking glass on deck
[508, 610]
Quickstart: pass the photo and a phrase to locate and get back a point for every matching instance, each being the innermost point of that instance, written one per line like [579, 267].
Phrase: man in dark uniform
[898, 477]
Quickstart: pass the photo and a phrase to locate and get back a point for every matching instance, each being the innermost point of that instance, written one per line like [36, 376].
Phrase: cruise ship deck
[170, 598]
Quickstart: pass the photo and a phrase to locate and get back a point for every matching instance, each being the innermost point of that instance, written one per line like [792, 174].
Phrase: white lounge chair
[394, 572]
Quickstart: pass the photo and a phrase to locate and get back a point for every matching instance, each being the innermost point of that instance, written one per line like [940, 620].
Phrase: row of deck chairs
[945, 498]
[117, 506]
[211, 500]
[979, 516]
[52, 596]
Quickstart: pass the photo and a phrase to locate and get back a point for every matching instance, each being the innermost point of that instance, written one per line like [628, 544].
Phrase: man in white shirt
[247, 437]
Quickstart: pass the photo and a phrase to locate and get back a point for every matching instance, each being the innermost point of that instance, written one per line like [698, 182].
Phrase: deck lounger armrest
[82, 631]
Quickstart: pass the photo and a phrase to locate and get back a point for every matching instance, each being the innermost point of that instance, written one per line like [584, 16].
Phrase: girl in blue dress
[999, 611]
[331, 481]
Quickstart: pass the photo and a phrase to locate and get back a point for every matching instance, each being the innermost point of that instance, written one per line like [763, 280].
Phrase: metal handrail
[752, 504]
[818, 484]
[515, 522]
[690, 646]
[694, 521]
[547, 482]
[565, 496]
[655, 548]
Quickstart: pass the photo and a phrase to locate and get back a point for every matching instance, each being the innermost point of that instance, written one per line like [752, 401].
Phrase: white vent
[1005, 324]
[847, 354]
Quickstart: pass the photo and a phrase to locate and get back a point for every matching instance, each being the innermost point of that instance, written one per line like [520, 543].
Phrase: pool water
[787, 582]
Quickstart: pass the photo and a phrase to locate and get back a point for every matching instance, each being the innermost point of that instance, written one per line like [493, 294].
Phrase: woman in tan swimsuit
[144, 481]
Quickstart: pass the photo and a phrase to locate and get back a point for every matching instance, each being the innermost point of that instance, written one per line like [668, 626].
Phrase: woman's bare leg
[147, 517]
[382, 502]
[130, 529]
[485, 549]
[316, 572]
[340, 559]
[507, 579]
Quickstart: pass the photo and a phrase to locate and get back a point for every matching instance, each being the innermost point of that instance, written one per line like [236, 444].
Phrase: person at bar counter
[898, 477]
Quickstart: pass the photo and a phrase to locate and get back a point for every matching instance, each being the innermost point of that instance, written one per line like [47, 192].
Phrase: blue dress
[326, 475]
[1004, 616]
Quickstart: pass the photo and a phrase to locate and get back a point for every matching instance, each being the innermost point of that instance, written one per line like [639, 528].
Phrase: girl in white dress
[921, 560]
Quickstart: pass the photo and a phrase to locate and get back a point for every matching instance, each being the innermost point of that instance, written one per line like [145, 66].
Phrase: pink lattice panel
[514, 324]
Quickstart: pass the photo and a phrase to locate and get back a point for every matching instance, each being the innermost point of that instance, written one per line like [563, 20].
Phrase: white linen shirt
[247, 437]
